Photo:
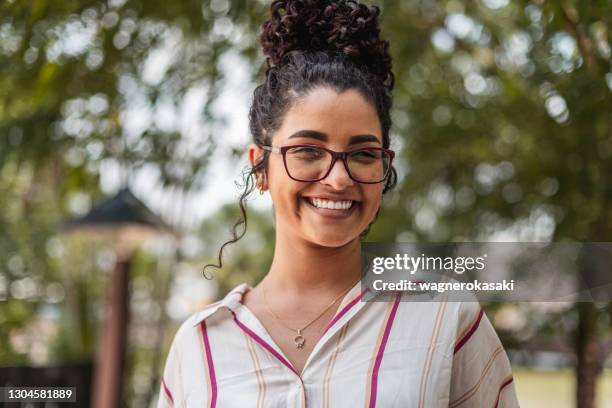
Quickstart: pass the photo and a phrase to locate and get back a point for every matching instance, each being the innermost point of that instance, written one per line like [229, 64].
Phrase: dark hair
[313, 43]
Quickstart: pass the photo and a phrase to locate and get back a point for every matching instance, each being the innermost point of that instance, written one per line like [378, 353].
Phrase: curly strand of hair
[249, 185]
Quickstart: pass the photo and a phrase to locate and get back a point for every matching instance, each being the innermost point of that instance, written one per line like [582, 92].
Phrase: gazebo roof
[122, 208]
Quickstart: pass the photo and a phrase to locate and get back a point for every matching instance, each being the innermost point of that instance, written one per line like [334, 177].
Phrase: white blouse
[372, 354]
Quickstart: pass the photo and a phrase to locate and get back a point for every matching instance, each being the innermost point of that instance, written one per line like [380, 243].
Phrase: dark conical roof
[123, 208]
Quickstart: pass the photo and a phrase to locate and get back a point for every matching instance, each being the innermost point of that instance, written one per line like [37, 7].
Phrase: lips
[337, 208]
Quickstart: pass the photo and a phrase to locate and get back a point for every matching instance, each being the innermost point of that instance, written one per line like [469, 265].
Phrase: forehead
[339, 115]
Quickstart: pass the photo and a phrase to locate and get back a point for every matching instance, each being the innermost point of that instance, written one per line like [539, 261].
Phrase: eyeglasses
[309, 163]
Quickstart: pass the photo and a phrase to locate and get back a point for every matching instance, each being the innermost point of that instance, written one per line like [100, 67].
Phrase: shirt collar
[231, 301]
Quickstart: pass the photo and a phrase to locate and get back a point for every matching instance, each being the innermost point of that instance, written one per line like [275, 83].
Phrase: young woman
[302, 337]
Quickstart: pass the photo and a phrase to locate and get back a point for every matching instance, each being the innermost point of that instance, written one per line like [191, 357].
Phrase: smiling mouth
[340, 206]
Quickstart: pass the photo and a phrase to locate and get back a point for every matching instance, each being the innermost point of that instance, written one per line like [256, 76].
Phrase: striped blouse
[371, 354]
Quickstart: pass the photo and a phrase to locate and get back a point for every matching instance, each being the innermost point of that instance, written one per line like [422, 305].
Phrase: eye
[365, 155]
[306, 153]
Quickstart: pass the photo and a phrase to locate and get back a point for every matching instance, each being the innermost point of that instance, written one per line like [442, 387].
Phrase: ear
[255, 154]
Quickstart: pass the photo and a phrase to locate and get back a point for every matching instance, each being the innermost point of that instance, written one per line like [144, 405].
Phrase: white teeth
[332, 205]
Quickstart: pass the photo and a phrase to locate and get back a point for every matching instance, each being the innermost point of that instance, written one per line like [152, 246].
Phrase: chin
[333, 241]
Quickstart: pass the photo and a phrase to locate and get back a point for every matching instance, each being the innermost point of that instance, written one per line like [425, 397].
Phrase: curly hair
[309, 44]
[341, 27]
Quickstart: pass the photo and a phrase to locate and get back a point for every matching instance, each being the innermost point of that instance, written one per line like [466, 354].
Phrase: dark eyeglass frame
[335, 156]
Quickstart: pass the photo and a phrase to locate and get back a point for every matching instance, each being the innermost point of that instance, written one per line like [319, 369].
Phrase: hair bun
[334, 26]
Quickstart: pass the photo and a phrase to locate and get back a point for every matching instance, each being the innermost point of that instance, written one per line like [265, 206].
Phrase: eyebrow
[314, 134]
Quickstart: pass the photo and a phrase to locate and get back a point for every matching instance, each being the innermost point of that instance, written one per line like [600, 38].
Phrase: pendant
[299, 340]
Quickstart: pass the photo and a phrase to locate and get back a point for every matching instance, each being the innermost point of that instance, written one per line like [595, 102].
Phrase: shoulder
[469, 316]
[188, 341]
[190, 329]
[481, 370]
[175, 370]
[189, 333]
[185, 338]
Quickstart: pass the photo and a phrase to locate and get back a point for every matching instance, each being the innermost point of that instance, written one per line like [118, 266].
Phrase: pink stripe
[501, 388]
[211, 367]
[469, 333]
[264, 344]
[167, 391]
[381, 351]
[343, 311]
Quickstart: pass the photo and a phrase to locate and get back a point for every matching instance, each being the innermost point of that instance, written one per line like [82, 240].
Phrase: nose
[338, 177]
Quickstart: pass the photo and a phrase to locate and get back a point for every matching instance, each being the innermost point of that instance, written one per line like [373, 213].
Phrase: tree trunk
[109, 369]
[587, 353]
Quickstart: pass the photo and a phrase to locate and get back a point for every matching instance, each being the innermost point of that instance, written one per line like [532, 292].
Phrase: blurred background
[123, 127]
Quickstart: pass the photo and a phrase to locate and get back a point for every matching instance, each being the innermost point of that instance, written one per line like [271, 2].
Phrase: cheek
[374, 200]
[374, 196]
[284, 191]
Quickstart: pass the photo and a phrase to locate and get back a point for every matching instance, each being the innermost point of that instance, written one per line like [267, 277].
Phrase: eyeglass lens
[311, 163]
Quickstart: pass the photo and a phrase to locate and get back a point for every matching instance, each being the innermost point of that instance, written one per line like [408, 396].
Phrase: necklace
[299, 339]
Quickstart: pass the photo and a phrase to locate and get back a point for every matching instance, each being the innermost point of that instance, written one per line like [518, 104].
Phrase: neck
[303, 268]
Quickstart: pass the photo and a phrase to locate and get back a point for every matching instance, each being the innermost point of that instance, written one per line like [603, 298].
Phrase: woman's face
[340, 122]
